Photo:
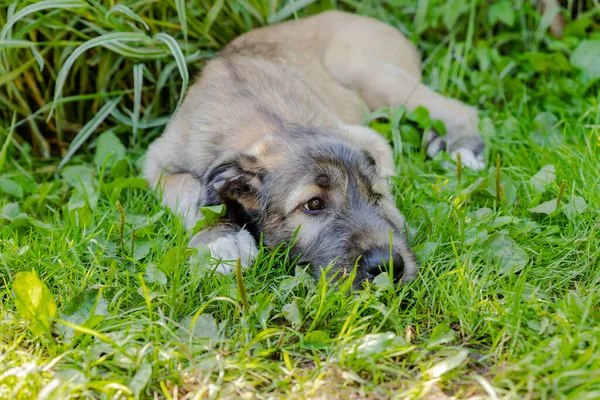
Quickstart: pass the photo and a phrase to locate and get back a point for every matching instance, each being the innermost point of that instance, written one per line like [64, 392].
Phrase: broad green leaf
[502, 11]
[210, 216]
[300, 278]
[34, 301]
[316, 340]
[441, 334]
[439, 126]
[509, 188]
[479, 184]
[547, 207]
[87, 309]
[546, 132]
[155, 275]
[424, 250]
[203, 327]
[503, 221]
[120, 169]
[578, 28]
[40, 225]
[448, 364]
[10, 211]
[507, 253]
[175, 258]
[141, 378]
[576, 206]
[411, 137]
[292, 312]
[475, 236]
[82, 197]
[544, 177]
[586, 56]
[126, 183]
[376, 344]
[200, 262]
[381, 127]
[108, 146]
[11, 187]
[21, 221]
[81, 177]
[420, 115]
[141, 249]
[452, 11]
[543, 62]
[383, 281]
[77, 175]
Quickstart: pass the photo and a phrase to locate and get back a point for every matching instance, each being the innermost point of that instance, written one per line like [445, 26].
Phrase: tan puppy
[272, 130]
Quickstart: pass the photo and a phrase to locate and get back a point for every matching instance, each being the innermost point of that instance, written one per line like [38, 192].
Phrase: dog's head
[325, 192]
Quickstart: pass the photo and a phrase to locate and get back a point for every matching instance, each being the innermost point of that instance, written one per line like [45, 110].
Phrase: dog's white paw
[228, 248]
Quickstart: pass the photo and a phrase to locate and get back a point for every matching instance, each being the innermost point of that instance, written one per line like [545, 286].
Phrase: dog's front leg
[227, 242]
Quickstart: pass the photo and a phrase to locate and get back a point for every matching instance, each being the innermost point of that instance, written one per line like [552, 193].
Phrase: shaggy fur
[273, 123]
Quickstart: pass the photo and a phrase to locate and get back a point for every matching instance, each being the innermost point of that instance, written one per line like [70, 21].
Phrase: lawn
[101, 298]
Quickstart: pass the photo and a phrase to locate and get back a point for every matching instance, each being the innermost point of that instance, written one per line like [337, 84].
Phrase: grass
[507, 301]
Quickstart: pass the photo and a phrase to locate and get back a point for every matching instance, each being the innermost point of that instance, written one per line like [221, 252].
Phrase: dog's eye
[314, 205]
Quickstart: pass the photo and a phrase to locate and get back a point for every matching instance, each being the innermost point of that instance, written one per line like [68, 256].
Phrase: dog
[272, 129]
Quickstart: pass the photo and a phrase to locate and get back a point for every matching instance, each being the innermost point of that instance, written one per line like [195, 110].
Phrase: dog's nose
[378, 260]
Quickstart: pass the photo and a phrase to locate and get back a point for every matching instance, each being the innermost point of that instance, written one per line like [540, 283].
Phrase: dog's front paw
[226, 249]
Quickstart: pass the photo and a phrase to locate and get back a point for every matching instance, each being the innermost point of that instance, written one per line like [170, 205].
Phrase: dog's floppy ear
[235, 178]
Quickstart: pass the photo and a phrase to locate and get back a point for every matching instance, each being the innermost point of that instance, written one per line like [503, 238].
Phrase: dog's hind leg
[376, 60]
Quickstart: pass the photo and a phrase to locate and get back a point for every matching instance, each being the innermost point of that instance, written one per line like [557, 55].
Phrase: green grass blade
[19, 44]
[252, 10]
[289, 9]
[88, 129]
[179, 60]
[98, 41]
[138, 81]
[168, 69]
[143, 53]
[15, 44]
[212, 15]
[4, 149]
[153, 123]
[39, 6]
[182, 16]
[123, 9]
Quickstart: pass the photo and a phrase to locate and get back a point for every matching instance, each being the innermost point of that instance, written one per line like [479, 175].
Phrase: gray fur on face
[314, 163]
